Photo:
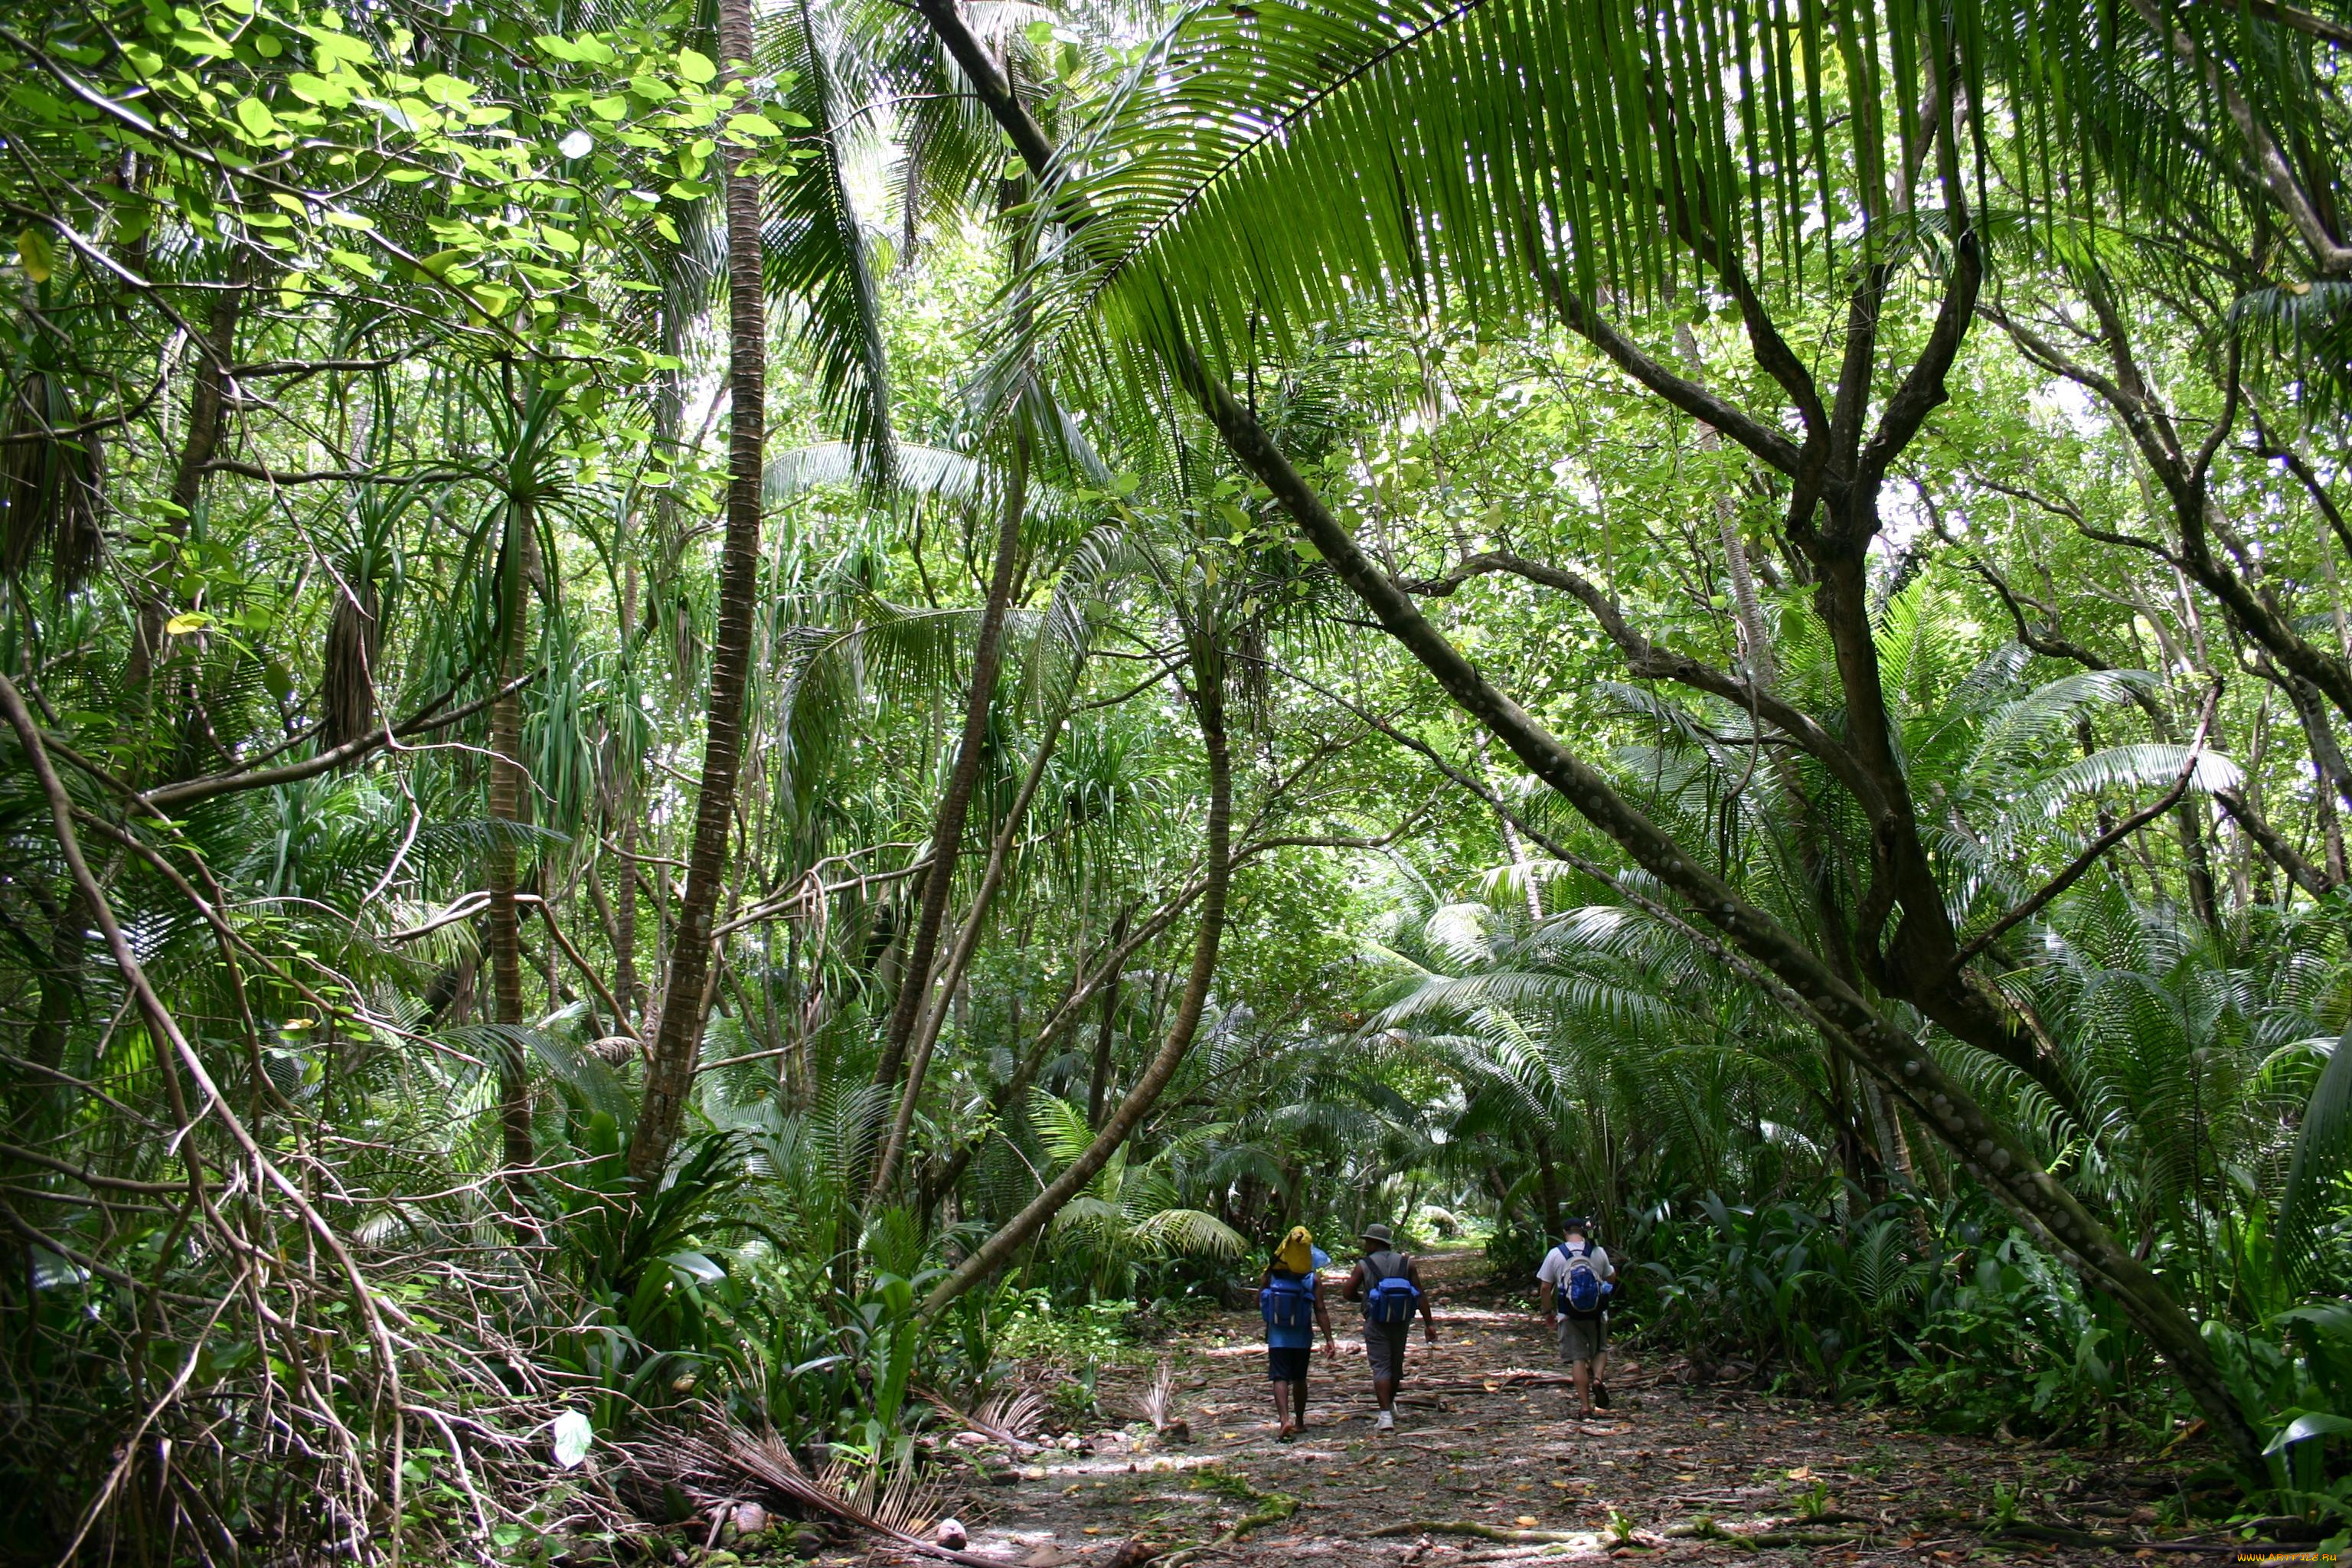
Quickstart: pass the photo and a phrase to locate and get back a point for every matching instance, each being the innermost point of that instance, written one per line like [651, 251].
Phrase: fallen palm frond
[721, 1466]
[1003, 1415]
[1157, 1403]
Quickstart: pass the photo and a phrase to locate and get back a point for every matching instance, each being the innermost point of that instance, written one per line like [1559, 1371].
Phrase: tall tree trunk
[510, 787]
[669, 1075]
[950, 981]
[1209, 707]
[963, 775]
[1106, 1033]
[206, 407]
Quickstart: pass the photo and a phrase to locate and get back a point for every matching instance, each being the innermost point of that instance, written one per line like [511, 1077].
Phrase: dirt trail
[1675, 1471]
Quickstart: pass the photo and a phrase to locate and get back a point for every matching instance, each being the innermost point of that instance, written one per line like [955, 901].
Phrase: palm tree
[677, 1041]
[1131, 1210]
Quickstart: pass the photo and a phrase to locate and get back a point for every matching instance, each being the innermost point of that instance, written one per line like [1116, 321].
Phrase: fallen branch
[2066, 1535]
[1472, 1528]
[1275, 1506]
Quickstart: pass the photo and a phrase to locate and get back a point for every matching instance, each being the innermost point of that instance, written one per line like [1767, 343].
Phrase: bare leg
[1385, 1392]
[1282, 1405]
[1299, 1398]
[1583, 1374]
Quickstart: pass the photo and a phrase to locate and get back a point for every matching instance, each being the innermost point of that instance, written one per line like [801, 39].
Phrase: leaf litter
[1487, 1465]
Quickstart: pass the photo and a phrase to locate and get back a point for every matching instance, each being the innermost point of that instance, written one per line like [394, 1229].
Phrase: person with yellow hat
[1293, 1308]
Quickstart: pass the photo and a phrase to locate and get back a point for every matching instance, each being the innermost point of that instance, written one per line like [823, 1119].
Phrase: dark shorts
[1385, 1348]
[1287, 1365]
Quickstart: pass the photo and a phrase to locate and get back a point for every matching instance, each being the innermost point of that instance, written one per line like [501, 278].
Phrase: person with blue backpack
[1293, 1309]
[1390, 1288]
[1575, 1282]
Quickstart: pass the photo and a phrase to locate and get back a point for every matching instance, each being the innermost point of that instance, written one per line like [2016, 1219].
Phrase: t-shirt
[1286, 1338]
[1555, 1270]
[1378, 1266]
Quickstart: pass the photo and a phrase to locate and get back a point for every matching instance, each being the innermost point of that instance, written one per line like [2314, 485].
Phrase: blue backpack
[1580, 1290]
[1288, 1301]
[1390, 1300]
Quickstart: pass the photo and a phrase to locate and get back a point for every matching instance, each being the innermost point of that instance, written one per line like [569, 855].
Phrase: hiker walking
[1575, 1282]
[1390, 1288]
[1293, 1309]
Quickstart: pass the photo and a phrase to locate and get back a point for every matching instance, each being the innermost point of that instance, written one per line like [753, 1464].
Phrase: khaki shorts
[1582, 1339]
[1385, 1348]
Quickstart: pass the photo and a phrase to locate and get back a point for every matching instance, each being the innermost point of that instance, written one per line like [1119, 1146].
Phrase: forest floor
[1485, 1449]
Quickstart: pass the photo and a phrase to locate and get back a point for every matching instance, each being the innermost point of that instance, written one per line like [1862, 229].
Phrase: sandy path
[1477, 1443]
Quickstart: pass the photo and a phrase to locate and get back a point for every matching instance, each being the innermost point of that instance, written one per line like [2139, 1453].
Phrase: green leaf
[33, 253]
[255, 116]
[696, 66]
[2304, 1427]
[758, 125]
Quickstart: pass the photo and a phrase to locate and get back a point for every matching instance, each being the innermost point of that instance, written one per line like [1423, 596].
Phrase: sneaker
[1387, 1422]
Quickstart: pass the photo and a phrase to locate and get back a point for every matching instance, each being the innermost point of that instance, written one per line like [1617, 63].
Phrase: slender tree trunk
[61, 982]
[669, 1075]
[1755, 638]
[942, 1177]
[1209, 707]
[1106, 1033]
[206, 404]
[963, 775]
[950, 983]
[509, 792]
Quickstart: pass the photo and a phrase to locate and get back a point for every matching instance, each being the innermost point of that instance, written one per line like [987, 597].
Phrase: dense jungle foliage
[717, 714]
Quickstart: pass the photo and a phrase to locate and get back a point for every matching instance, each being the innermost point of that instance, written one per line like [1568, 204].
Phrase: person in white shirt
[1574, 1283]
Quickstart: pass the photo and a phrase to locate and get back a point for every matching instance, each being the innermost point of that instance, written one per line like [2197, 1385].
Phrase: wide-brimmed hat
[1378, 1232]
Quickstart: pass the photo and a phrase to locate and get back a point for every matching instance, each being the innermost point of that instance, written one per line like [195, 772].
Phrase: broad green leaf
[33, 253]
